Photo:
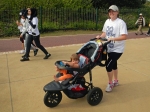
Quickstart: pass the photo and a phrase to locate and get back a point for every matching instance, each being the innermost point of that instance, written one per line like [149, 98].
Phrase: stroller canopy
[89, 50]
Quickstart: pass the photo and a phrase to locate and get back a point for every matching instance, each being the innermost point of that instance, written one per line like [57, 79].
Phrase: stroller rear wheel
[52, 99]
[94, 96]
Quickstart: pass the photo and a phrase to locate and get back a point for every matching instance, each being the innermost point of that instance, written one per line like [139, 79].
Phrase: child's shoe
[115, 82]
[109, 87]
[22, 52]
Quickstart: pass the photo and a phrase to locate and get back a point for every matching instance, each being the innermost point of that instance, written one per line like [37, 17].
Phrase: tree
[119, 3]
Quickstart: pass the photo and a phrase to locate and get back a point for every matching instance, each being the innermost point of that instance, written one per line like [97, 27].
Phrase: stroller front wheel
[52, 99]
[94, 96]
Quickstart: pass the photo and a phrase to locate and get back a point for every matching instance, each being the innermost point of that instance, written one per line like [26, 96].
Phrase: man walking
[140, 22]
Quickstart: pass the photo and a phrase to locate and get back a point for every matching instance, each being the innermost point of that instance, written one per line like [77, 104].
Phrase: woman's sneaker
[109, 87]
[47, 56]
[25, 59]
[115, 82]
[35, 52]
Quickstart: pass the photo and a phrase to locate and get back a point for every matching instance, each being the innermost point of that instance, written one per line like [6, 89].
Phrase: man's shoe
[35, 52]
[47, 56]
[136, 34]
[141, 33]
[23, 56]
[25, 59]
[22, 52]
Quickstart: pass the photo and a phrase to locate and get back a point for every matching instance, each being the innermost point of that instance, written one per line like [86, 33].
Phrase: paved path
[21, 83]
[7, 45]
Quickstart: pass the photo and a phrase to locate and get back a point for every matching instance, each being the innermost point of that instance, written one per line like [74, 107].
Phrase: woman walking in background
[23, 35]
[34, 34]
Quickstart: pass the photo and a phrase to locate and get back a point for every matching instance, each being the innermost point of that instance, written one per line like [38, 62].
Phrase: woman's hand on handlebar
[110, 39]
[98, 36]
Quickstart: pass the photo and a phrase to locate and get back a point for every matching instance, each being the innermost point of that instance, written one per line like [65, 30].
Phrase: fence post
[41, 13]
[96, 18]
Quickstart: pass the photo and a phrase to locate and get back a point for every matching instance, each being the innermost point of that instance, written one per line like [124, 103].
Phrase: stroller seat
[91, 54]
[83, 61]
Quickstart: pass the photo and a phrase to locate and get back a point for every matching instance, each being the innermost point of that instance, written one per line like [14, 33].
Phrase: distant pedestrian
[141, 23]
[148, 32]
[20, 27]
[34, 34]
[23, 25]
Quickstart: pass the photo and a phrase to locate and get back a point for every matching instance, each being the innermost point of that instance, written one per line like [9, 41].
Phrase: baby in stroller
[73, 63]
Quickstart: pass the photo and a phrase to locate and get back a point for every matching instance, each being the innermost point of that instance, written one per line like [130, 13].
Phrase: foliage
[19, 4]
[70, 14]
[8, 29]
[119, 3]
[5, 4]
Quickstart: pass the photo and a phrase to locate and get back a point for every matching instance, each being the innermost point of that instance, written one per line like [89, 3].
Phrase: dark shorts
[22, 39]
[111, 63]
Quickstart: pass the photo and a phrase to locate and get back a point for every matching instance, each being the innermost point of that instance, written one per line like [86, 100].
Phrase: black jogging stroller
[92, 53]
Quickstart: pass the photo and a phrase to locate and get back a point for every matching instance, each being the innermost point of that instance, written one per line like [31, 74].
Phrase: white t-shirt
[34, 30]
[115, 29]
[25, 26]
[35, 22]
[20, 27]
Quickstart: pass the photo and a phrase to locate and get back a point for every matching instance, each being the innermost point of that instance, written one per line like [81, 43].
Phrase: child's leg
[23, 48]
[65, 75]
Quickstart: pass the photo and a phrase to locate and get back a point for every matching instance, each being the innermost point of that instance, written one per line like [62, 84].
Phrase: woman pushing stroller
[115, 30]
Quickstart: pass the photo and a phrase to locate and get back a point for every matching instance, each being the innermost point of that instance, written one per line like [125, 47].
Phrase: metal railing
[51, 19]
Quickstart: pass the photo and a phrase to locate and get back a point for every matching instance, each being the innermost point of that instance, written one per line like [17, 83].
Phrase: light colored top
[25, 26]
[20, 27]
[28, 28]
[115, 29]
[140, 21]
[35, 30]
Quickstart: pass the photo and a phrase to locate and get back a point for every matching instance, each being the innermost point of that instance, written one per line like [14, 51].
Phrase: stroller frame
[53, 89]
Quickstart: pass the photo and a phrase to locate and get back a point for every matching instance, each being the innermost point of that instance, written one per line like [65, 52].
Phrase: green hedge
[69, 19]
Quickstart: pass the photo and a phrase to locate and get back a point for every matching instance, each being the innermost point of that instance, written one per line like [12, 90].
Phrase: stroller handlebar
[102, 40]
